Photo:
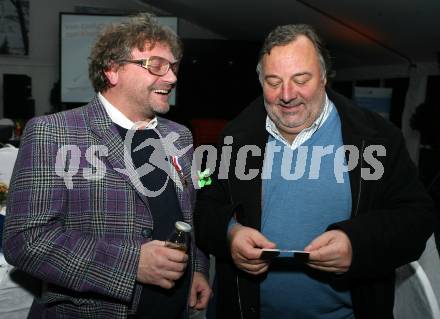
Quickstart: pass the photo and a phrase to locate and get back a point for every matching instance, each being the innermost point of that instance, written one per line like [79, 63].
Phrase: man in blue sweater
[309, 172]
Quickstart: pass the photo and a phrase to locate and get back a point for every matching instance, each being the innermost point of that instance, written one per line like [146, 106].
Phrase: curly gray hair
[117, 40]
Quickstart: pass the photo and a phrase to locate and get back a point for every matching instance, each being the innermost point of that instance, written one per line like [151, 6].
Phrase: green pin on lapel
[204, 178]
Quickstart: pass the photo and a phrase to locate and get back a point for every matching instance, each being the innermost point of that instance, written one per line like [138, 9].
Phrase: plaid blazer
[77, 222]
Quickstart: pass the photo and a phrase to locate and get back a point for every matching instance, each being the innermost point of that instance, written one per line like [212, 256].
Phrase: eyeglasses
[156, 65]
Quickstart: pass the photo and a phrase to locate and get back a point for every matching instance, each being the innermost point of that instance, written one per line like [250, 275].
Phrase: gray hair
[116, 42]
[285, 34]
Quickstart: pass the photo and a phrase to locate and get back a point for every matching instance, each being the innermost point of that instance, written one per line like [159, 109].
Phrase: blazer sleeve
[35, 237]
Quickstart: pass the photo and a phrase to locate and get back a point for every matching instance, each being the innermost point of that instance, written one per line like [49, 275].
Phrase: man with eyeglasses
[97, 190]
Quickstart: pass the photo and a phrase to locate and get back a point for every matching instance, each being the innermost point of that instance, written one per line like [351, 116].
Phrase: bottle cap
[182, 226]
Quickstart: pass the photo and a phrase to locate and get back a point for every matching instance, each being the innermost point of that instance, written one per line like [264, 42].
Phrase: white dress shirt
[117, 117]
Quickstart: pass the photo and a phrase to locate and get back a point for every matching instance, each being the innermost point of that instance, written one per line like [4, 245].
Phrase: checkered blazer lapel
[164, 130]
[119, 155]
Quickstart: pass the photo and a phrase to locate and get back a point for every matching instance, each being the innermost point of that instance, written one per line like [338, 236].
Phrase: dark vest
[156, 302]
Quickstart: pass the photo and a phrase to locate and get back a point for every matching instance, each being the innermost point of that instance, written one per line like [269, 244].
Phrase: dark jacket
[391, 218]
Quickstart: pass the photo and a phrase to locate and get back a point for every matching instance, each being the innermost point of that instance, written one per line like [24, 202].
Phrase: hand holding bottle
[160, 265]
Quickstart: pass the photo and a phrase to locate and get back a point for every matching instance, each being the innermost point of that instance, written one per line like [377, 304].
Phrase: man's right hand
[246, 245]
[160, 265]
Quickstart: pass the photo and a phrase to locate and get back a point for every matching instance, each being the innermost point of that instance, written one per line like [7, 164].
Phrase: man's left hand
[200, 292]
[330, 252]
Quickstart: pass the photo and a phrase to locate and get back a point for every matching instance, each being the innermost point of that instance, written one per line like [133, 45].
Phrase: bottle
[179, 237]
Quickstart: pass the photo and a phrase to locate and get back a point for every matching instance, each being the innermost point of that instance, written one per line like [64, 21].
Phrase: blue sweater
[300, 199]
